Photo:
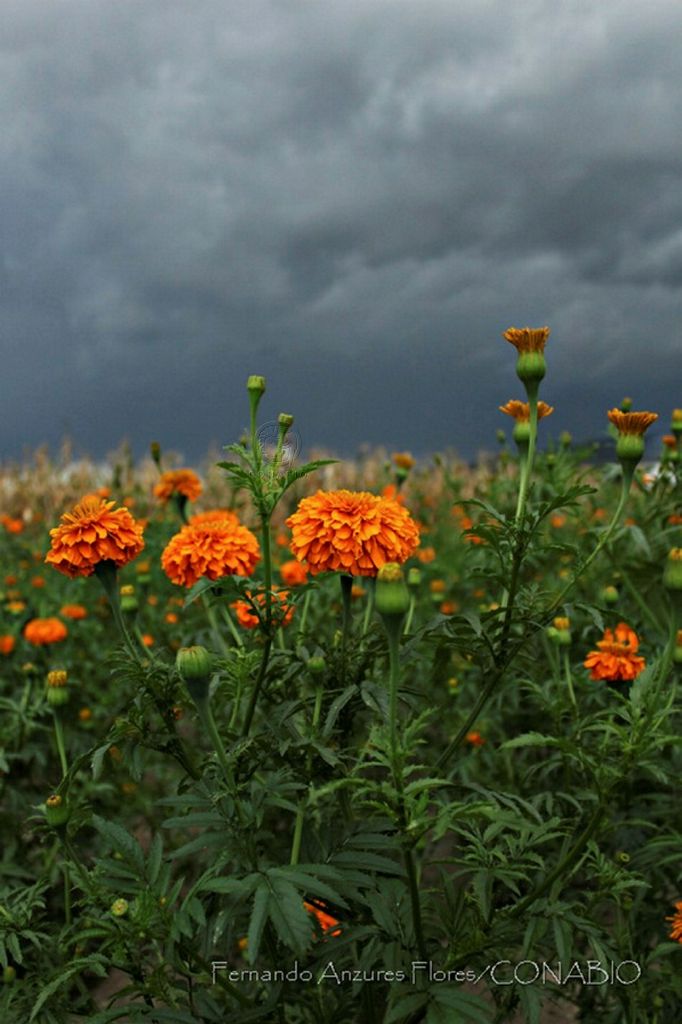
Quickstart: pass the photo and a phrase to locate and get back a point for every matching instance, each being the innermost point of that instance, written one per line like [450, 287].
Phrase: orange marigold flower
[356, 592]
[213, 514]
[676, 926]
[351, 532]
[178, 481]
[214, 549]
[45, 631]
[449, 607]
[293, 573]
[282, 613]
[557, 521]
[7, 643]
[670, 441]
[475, 739]
[38, 581]
[16, 606]
[73, 611]
[391, 492]
[617, 657]
[403, 460]
[93, 532]
[12, 525]
[11, 581]
[281, 540]
[630, 423]
[437, 586]
[171, 618]
[147, 639]
[520, 411]
[675, 520]
[527, 339]
[426, 555]
[325, 920]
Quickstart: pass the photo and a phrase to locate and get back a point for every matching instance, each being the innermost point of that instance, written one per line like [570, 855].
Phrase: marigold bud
[56, 691]
[610, 595]
[672, 575]
[285, 421]
[155, 452]
[119, 907]
[531, 367]
[9, 974]
[255, 385]
[414, 577]
[194, 665]
[316, 664]
[56, 811]
[391, 596]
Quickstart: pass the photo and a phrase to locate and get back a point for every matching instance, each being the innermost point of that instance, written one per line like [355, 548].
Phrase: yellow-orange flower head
[632, 423]
[520, 411]
[213, 548]
[93, 532]
[178, 481]
[45, 631]
[527, 339]
[617, 656]
[676, 923]
[282, 612]
[352, 532]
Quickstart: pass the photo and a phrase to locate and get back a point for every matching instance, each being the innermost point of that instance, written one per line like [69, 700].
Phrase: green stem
[256, 689]
[267, 575]
[346, 588]
[107, 574]
[67, 894]
[527, 468]
[393, 625]
[370, 605]
[410, 614]
[59, 737]
[569, 679]
[218, 637]
[232, 628]
[304, 616]
[303, 803]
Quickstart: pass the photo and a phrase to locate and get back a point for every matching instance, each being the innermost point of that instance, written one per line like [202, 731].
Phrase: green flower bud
[119, 907]
[285, 421]
[672, 575]
[9, 974]
[316, 664]
[155, 452]
[521, 432]
[195, 665]
[391, 596]
[56, 811]
[414, 576]
[610, 595]
[255, 385]
[531, 367]
[57, 692]
[630, 448]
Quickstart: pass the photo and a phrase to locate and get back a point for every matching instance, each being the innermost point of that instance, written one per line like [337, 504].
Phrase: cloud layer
[354, 199]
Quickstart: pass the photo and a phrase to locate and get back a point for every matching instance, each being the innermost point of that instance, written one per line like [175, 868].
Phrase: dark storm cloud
[355, 198]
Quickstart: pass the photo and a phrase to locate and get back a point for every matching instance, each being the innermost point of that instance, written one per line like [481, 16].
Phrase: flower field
[379, 740]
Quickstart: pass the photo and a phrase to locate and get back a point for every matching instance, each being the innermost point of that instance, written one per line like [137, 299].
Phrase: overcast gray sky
[352, 197]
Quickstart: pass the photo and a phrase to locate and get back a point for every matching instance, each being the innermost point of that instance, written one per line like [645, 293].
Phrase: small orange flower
[85, 714]
[38, 581]
[617, 657]
[391, 491]
[293, 573]
[527, 339]
[351, 532]
[520, 411]
[437, 586]
[670, 441]
[214, 549]
[147, 639]
[475, 739]
[557, 521]
[171, 618]
[356, 592]
[16, 607]
[73, 611]
[674, 520]
[325, 920]
[282, 613]
[403, 460]
[281, 540]
[632, 423]
[426, 555]
[448, 607]
[93, 532]
[178, 481]
[45, 631]
[11, 581]
[676, 923]
[12, 525]
[7, 643]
